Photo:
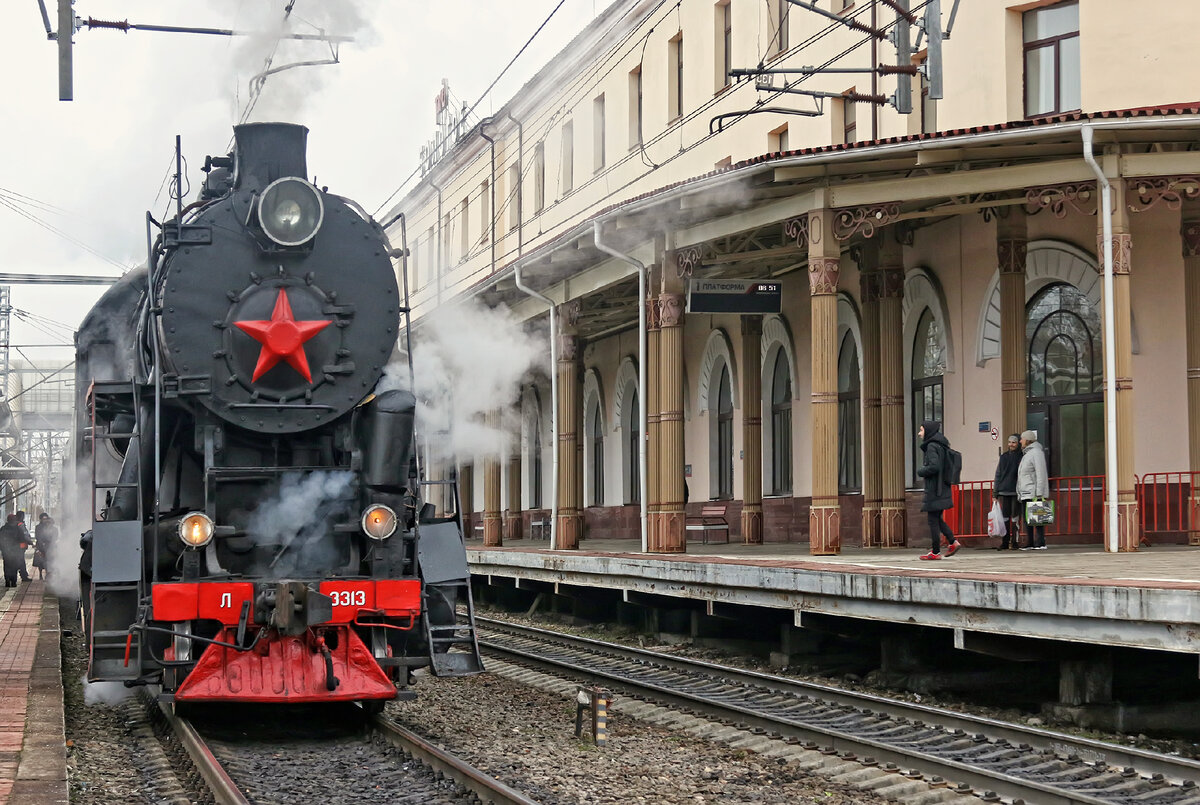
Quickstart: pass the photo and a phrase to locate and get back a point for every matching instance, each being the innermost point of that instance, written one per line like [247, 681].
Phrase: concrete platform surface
[33, 759]
[1146, 599]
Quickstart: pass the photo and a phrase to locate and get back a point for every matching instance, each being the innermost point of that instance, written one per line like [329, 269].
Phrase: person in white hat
[1032, 484]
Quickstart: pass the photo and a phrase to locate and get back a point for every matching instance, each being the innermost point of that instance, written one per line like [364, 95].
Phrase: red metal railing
[1166, 506]
[1078, 507]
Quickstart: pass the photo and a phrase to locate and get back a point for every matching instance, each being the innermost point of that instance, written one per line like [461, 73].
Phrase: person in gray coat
[1033, 483]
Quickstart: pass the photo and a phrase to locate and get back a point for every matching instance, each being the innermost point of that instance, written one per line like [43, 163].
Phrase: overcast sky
[92, 167]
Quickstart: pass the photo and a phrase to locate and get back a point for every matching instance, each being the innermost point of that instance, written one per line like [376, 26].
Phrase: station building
[943, 263]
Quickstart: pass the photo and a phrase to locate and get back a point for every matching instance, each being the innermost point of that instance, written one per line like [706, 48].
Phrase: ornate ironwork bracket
[1168, 190]
[850, 222]
[688, 259]
[1061, 199]
[797, 229]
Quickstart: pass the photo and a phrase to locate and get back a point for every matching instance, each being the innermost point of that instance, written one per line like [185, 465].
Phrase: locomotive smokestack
[265, 152]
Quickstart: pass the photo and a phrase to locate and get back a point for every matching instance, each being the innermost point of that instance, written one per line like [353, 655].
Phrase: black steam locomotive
[259, 529]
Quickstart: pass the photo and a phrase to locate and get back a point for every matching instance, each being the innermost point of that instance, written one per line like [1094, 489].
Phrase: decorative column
[1128, 528]
[891, 390]
[493, 525]
[512, 512]
[752, 510]
[671, 536]
[651, 437]
[824, 266]
[1011, 249]
[1189, 231]
[872, 481]
[570, 513]
[466, 498]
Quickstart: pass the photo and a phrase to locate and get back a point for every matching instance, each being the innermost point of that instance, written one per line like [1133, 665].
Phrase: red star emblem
[281, 337]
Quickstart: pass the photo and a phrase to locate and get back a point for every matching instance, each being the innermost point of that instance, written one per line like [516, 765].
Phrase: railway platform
[1149, 599]
[33, 764]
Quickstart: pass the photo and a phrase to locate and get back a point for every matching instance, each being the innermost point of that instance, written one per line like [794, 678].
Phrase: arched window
[597, 444]
[535, 464]
[724, 436]
[849, 418]
[633, 468]
[781, 425]
[1065, 402]
[928, 366]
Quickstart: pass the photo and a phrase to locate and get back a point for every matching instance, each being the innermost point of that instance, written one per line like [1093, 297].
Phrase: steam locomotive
[259, 524]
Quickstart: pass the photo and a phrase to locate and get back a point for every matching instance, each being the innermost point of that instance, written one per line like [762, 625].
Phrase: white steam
[296, 520]
[469, 362]
[103, 692]
[286, 74]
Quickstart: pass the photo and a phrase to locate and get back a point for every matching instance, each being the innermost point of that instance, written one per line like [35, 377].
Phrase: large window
[781, 426]
[635, 106]
[725, 38]
[539, 178]
[724, 436]
[1065, 402]
[928, 367]
[568, 156]
[675, 79]
[596, 438]
[781, 17]
[849, 418]
[598, 133]
[1052, 72]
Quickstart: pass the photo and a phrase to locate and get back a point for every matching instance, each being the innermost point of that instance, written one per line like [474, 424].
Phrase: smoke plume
[297, 519]
[469, 361]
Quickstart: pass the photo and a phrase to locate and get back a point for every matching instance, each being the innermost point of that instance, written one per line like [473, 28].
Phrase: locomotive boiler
[259, 526]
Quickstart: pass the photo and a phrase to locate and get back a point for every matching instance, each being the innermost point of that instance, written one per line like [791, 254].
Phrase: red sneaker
[931, 555]
[953, 549]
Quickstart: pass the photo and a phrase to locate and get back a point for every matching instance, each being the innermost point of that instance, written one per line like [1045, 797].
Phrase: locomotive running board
[442, 558]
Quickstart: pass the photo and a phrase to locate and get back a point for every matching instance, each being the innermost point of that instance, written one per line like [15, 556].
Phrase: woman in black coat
[937, 497]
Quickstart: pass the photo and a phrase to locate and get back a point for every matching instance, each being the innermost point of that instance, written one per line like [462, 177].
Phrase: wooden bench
[710, 519]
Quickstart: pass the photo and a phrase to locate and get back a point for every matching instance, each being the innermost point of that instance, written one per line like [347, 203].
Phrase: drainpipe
[1110, 346]
[553, 401]
[641, 269]
[520, 184]
[491, 189]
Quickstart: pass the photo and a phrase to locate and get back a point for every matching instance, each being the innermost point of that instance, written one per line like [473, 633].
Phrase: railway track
[1005, 761]
[249, 756]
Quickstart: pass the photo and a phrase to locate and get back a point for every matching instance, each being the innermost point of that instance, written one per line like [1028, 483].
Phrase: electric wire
[584, 84]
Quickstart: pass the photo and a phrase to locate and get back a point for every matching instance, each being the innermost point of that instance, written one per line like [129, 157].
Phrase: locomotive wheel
[372, 707]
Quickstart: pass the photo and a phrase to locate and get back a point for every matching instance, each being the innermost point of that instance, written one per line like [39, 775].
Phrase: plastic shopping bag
[996, 526]
[1039, 512]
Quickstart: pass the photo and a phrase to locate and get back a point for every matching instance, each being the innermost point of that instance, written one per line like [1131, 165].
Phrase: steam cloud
[104, 692]
[285, 93]
[469, 361]
[298, 516]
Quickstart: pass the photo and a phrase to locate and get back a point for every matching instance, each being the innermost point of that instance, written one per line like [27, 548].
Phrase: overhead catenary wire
[585, 83]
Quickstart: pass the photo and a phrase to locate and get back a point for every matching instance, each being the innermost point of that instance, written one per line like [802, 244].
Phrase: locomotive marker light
[290, 211]
[196, 530]
[379, 522]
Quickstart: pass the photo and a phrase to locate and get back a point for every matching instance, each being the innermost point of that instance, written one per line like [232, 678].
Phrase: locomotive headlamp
[290, 211]
[196, 530]
[379, 521]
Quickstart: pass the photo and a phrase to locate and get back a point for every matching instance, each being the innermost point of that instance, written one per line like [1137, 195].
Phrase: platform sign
[734, 296]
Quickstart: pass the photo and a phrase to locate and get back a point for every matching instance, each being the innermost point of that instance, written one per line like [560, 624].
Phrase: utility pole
[900, 37]
[66, 32]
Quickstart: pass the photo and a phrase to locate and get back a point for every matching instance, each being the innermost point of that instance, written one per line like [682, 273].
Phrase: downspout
[520, 183]
[553, 401]
[1110, 346]
[492, 189]
[641, 269]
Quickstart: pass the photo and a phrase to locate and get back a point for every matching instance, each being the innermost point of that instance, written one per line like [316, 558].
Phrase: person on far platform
[937, 498]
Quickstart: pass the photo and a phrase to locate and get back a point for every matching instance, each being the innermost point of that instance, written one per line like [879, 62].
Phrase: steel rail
[486, 787]
[222, 786]
[898, 714]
